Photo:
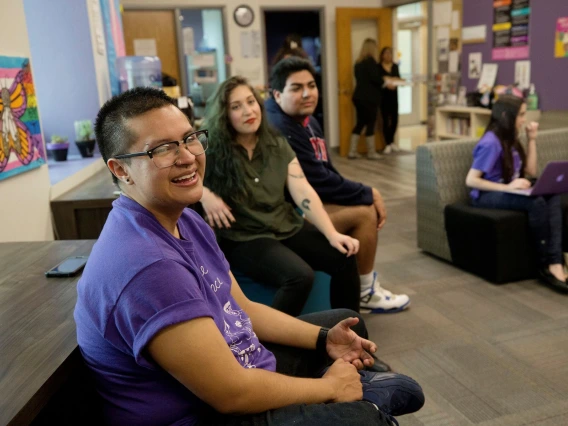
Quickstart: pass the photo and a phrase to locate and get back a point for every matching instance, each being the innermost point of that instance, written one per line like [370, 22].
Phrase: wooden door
[154, 24]
[344, 18]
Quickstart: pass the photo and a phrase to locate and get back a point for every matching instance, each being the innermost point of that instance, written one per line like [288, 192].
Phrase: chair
[318, 300]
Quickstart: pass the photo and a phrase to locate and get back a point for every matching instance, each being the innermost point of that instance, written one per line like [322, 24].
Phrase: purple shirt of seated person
[167, 281]
[488, 158]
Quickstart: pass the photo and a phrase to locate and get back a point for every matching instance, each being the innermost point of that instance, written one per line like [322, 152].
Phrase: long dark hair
[224, 175]
[504, 124]
[383, 51]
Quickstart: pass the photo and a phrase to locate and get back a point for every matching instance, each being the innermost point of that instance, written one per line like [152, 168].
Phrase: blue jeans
[545, 220]
[307, 363]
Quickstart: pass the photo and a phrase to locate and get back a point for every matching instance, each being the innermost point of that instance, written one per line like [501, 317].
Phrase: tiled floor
[410, 137]
[485, 355]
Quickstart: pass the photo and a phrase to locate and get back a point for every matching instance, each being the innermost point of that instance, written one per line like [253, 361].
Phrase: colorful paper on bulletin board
[511, 29]
[561, 39]
[21, 144]
[114, 36]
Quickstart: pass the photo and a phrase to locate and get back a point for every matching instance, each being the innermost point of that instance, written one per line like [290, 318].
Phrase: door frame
[414, 117]
[324, 63]
[344, 16]
[176, 7]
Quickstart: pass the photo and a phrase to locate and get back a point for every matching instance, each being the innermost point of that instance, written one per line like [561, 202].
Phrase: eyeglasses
[167, 154]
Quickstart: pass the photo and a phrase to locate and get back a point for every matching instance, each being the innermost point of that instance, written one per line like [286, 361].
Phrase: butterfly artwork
[21, 144]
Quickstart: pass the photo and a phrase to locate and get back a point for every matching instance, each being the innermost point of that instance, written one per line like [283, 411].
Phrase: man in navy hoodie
[354, 208]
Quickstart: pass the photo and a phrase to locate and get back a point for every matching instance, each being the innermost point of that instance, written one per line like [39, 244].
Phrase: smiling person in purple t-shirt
[500, 164]
[164, 327]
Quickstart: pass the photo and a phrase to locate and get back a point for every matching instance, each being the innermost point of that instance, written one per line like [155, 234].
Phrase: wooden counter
[38, 348]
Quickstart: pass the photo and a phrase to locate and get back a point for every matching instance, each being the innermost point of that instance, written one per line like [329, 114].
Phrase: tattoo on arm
[306, 204]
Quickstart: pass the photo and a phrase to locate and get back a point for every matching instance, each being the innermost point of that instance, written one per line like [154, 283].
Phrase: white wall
[256, 66]
[24, 199]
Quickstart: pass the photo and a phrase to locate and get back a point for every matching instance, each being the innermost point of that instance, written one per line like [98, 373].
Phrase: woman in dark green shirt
[250, 172]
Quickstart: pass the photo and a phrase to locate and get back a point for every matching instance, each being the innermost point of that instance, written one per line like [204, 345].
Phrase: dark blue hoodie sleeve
[327, 182]
[325, 179]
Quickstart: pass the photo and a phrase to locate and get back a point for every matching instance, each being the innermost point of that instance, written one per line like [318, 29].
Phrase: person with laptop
[501, 167]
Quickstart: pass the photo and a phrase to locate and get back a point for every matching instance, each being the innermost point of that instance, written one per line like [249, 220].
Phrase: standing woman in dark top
[389, 100]
[366, 99]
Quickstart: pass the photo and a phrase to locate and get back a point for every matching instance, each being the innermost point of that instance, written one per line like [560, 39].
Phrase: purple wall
[63, 63]
[549, 74]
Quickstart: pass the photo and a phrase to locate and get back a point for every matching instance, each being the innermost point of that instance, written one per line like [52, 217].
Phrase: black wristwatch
[322, 340]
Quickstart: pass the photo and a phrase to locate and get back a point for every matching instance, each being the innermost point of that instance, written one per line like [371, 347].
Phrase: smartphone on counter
[68, 268]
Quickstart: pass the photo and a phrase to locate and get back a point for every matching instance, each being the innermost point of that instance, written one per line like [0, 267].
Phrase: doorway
[352, 26]
[411, 35]
[303, 27]
[152, 31]
[190, 43]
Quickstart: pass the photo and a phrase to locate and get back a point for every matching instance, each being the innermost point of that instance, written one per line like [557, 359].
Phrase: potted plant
[84, 137]
[58, 147]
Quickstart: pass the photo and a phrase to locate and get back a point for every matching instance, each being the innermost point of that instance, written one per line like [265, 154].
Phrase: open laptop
[553, 180]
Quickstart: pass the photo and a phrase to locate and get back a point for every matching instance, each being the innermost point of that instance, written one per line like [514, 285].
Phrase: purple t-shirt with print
[140, 279]
[488, 157]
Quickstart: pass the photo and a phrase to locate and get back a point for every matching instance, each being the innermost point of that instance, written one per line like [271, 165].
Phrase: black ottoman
[493, 244]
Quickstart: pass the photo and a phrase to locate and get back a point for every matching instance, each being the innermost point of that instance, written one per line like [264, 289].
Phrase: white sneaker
[374, 156]
[381, 301]
[387, 150]
[354, 155]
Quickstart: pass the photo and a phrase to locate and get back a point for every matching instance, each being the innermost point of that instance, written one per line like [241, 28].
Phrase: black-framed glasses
[167, 153]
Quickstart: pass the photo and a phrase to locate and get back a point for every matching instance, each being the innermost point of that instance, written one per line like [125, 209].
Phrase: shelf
[470, 119]
[451, 136]
[464, 110]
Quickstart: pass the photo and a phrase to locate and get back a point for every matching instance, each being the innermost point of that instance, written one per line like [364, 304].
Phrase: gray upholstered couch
[441, 168]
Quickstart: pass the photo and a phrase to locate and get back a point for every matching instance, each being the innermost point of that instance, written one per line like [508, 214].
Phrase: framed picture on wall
[21, 147]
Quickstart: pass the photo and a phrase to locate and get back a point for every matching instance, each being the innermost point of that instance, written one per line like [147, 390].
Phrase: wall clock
[244, 16]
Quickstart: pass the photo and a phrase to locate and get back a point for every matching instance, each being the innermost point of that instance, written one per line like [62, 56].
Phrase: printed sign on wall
[511, 29]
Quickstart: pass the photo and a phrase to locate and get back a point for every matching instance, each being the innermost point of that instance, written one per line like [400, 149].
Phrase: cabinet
[82, 212]
[457, 122]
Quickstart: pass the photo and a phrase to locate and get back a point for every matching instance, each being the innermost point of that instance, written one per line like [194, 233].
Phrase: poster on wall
[114, 37]
[561, 39]
[511, 29]
[21, 147]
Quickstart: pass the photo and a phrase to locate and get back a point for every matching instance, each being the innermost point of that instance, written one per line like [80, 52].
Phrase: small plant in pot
[58, 147]
[85, 138]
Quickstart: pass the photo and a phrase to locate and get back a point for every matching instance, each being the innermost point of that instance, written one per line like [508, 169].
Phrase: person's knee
[539, 203]
[344, 263]
[363, 214]
[360, 328]
[554, 201]
[301, 280]
[370, 213]
[538, 208]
